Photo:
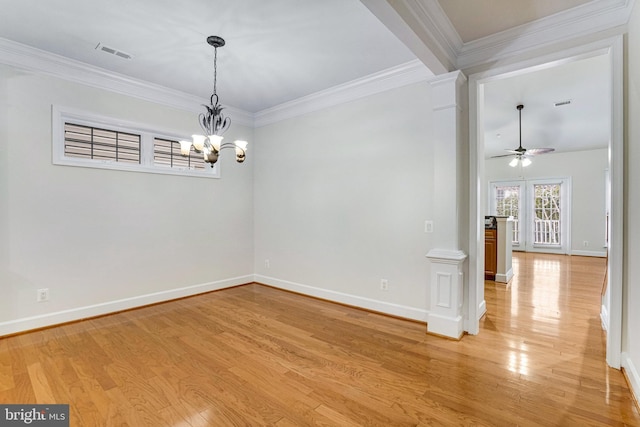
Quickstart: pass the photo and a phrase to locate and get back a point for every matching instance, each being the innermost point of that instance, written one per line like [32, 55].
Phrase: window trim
[60, 115]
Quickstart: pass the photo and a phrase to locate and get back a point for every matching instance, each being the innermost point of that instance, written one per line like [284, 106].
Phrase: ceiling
[276, 50]
[281, 50]
[474, 20]
[582, 124]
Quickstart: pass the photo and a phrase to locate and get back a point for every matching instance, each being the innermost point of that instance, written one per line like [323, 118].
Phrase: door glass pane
[546, 227]
[508, 204]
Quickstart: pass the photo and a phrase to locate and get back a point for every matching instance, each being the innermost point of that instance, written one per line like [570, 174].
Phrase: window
[540, 209]
[546, 212]
[167, 153]
[508, 204]
[87, 140]
[94, 143]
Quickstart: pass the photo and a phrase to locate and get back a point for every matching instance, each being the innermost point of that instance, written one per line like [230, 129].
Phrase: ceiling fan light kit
[522, 154]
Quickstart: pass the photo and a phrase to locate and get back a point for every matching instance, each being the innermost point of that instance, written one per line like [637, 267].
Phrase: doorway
[613, 50]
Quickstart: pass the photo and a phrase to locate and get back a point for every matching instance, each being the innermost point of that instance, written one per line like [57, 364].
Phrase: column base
[448, 327]
[446, 292]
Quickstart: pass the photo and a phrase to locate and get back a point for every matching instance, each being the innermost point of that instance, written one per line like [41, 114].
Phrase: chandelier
[213, 122]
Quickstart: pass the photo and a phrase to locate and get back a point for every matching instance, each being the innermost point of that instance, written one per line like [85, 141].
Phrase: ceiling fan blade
[503, 155]
[514, 151]
[536, 151]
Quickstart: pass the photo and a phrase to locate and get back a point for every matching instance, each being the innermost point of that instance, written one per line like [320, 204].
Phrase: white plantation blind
[167, 153]
[101, 144]
[89, 140]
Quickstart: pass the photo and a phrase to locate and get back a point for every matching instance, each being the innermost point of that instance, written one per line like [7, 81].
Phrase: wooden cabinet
[490, 254]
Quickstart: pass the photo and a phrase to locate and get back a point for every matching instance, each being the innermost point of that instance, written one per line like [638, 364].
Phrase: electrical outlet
[384, 284]
[42, 295]
[267, 264]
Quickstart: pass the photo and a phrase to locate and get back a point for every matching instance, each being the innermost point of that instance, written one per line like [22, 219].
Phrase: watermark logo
[34, 415]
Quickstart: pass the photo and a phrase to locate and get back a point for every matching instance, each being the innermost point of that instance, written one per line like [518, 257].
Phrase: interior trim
[402, 75]
[396, 310]
[632, 376]
[35, 60]
[79, 313]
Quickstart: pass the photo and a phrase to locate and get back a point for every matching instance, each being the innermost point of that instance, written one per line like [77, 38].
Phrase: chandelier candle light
[213, 122]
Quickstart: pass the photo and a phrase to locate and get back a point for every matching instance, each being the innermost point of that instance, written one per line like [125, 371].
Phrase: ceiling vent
[113, 51]
[561, 103]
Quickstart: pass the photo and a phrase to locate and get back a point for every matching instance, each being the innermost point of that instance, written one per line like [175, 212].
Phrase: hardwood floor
[254, 355]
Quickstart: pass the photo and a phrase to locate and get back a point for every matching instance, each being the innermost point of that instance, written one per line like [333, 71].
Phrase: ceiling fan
[521, 154]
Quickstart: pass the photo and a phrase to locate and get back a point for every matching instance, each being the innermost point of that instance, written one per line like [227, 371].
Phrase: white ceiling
[276, 51]
[282, 50]
[584, 124]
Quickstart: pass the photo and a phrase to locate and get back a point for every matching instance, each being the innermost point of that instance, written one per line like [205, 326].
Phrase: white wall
[631, 290]
[587, 172]
[341, 196]
[101, 239]
[4, 178]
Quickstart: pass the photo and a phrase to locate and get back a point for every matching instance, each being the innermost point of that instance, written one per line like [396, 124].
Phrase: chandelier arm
[239, 157]
[224, 124]
[202, 119]
[230, 145]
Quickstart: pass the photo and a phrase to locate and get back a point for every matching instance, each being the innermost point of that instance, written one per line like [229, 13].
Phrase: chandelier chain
[215, 69]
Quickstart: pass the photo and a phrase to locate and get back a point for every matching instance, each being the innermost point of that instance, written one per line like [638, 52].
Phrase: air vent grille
[561, 103]
[113, 51]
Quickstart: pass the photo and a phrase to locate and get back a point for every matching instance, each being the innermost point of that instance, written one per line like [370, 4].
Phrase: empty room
[293, 212]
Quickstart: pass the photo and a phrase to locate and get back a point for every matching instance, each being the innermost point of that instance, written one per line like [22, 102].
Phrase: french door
[540, 211]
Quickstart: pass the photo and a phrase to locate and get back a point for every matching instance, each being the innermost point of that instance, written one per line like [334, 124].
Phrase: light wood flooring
[254, 355]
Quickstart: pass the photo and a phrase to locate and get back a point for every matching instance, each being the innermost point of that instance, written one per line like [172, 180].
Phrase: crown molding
[36, 60]
[391, 78]
[425, 22]
[584, 20]
[435, 24]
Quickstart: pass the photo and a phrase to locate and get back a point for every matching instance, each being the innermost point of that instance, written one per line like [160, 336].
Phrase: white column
[450, 194]
[504, 269]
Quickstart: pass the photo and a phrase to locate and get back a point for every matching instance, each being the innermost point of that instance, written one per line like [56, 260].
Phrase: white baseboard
[632, 374]
[482, 309]
[79, 313]
[599, 254]
[347, 299]
[504, 278]
[604, 317]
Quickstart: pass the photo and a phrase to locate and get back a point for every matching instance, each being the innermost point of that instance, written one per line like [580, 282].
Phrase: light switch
[428, 226]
